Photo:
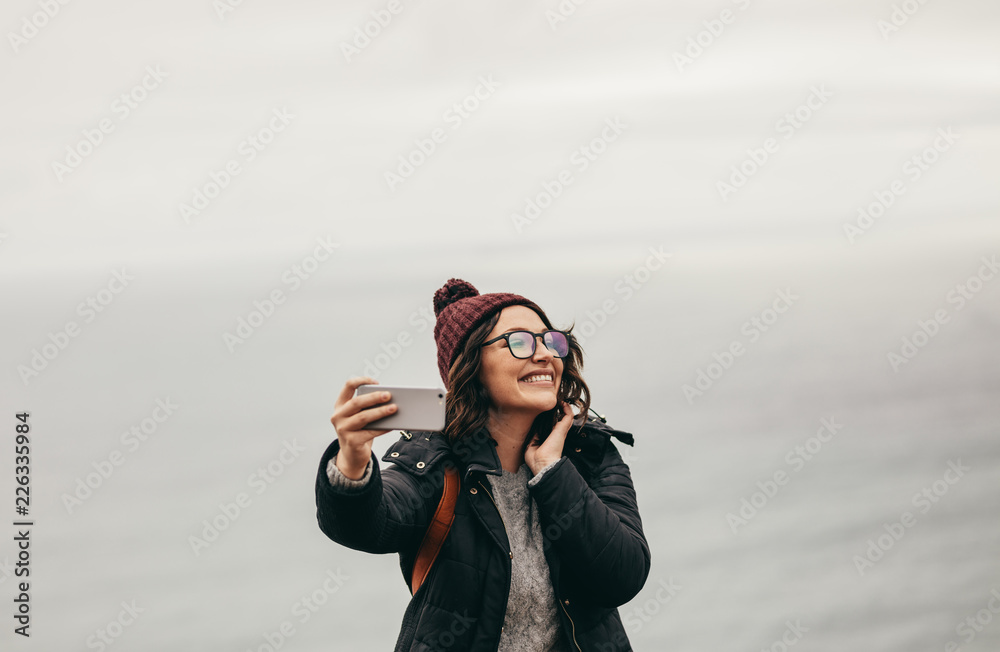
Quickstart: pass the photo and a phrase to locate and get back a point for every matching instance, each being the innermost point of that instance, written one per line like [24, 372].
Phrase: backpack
[437, 531]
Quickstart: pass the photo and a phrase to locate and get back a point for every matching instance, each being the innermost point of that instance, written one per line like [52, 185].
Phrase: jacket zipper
[509, 553]
[499, 513]
[571, 623]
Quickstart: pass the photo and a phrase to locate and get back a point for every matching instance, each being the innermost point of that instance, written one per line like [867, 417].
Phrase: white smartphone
[417, 408]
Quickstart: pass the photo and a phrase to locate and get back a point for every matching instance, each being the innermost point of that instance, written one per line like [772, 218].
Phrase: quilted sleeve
[595, 528]
[388, 513]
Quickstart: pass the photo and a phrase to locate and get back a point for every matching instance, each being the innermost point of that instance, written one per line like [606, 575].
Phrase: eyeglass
[522, 343]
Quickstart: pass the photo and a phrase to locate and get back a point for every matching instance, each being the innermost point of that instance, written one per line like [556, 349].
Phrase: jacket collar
[478, 452]
[418, 451]
[601, 426]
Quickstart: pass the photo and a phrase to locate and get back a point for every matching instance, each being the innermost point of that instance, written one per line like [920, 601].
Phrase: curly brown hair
[468, 402]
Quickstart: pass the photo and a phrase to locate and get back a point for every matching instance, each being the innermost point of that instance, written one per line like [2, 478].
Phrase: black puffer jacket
[597, 554]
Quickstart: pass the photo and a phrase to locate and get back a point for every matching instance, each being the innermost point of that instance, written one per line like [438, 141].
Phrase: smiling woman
[513, 389]
[546, 541]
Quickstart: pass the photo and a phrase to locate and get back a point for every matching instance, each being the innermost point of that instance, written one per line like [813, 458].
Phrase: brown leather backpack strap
[437, 531]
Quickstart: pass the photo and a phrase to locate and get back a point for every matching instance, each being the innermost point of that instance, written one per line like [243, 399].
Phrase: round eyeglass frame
[535, 336]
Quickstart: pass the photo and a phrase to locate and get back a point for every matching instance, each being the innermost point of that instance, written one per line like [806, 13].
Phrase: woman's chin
[542, 403]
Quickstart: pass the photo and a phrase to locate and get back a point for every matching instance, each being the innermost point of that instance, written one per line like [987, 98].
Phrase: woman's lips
[538, 379]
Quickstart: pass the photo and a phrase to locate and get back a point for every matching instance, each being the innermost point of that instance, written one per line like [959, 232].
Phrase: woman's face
[529, 385]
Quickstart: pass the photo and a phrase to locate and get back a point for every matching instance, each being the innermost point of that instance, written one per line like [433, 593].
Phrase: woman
[546, 541]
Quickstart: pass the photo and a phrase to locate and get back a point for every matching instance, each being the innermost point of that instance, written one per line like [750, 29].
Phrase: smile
[537, 378]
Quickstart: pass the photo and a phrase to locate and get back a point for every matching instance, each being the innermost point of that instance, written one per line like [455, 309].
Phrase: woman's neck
[510, 430]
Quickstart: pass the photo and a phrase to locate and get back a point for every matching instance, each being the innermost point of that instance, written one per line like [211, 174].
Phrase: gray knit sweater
[531, 623]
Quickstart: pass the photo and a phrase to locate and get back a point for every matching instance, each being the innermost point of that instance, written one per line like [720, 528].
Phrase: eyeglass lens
[522, 343]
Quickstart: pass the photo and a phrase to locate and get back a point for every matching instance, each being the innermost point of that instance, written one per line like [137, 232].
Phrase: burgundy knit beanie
[460, 308]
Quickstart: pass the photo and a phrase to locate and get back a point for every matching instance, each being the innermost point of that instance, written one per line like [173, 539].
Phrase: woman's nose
[542, 352]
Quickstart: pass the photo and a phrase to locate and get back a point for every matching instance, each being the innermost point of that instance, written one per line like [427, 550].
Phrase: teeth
[541, 378]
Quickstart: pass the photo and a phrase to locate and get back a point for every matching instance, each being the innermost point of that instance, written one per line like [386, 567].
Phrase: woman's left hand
[538, 456]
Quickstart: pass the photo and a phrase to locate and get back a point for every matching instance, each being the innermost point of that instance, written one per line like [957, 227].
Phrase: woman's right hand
[350, 420]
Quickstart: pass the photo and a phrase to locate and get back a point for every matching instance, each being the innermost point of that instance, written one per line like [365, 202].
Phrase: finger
[561, 427]
[364, 401]
[372, 433]
[361, 420]
[357, 405]
[532, 449]
[351, 386]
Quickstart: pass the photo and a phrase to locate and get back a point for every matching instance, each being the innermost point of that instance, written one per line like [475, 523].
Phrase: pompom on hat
[459, 309]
